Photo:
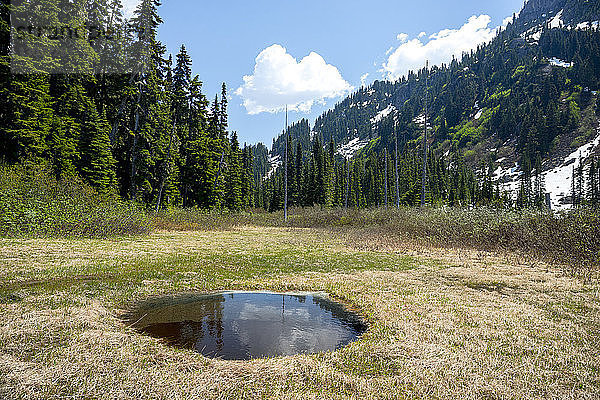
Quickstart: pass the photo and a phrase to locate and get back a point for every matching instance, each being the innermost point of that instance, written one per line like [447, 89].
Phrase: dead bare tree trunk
[386, 177]
[424, 177]
[396, 168]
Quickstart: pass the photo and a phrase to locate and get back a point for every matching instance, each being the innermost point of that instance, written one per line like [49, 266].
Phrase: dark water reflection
[245, 325]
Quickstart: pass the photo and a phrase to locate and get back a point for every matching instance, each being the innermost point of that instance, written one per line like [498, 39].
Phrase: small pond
[245, 325]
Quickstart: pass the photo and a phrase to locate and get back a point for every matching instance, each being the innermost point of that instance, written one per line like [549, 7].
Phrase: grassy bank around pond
[570, 240]
[33, 203]
[443, 324]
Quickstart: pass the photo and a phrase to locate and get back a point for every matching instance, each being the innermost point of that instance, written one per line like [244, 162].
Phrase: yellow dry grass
[457, 325]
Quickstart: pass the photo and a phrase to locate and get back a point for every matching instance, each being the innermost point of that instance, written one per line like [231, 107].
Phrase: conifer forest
[255, 200]
[153, 136]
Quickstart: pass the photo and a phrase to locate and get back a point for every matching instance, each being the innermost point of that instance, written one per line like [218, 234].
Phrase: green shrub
[34, 203]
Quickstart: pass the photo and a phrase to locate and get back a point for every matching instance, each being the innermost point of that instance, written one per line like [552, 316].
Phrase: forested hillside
[509, 123]
[148, 133]
[514, 110]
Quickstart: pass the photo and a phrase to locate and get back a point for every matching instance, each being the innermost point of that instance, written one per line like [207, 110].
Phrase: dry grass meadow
[443, 323]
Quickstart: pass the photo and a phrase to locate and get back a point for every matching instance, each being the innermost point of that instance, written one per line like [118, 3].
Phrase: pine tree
[318, 182]
[217, 148]
[200, 172]
[30, 118]
[234, 199]
[247, 179]
[195, 149]
[329, 178]
[299, 194]
[148, 51]
[223, 113]
[539, 186]
[97, 162]
[290, 168]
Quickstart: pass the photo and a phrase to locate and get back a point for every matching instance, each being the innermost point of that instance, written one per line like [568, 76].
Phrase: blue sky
[313, 52]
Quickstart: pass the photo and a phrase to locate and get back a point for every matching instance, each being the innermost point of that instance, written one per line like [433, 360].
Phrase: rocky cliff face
[572, 12]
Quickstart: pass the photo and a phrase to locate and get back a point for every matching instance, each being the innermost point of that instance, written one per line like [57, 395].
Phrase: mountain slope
[529, 97]
[573, 13]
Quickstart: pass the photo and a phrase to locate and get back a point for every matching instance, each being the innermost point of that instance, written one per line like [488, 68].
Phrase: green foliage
[152, 136]
[34, 203]
[500, 94]
[329, 181]
[234, 179]
[574, 114]
[521, 93]
[520, 70]
[30, 117]
[147, 134]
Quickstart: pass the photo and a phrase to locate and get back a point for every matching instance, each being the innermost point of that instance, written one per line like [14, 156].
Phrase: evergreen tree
[329, 178]
[248, 184]
[97, 162]
[30, 118]
[234, 200]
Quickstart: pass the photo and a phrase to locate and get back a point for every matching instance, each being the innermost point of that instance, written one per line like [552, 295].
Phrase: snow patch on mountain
[420, 120]
[533, 34]
[349, 149]
[360, 105]
[560, 63]
[557, 21]
[508, 177]
[557, 180]
[382, 114]
[274, 163]
[586, 25]
[536, 36]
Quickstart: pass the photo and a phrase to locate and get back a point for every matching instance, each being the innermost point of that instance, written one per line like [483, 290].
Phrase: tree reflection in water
[244, 325]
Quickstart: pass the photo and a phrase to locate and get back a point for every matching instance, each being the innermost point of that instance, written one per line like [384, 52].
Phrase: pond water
[246, 325]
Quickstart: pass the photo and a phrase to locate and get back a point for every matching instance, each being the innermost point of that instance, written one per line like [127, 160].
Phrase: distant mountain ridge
[530, 94]
[574, 11]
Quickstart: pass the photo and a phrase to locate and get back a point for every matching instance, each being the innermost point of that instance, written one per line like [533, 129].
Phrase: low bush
[33, 203]
[571, 239]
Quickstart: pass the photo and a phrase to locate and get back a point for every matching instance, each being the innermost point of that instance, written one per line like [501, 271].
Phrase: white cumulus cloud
[363, 79]
[402, 37]
[439, 47]
[507, 21]
[280, 80]
[129, 6]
